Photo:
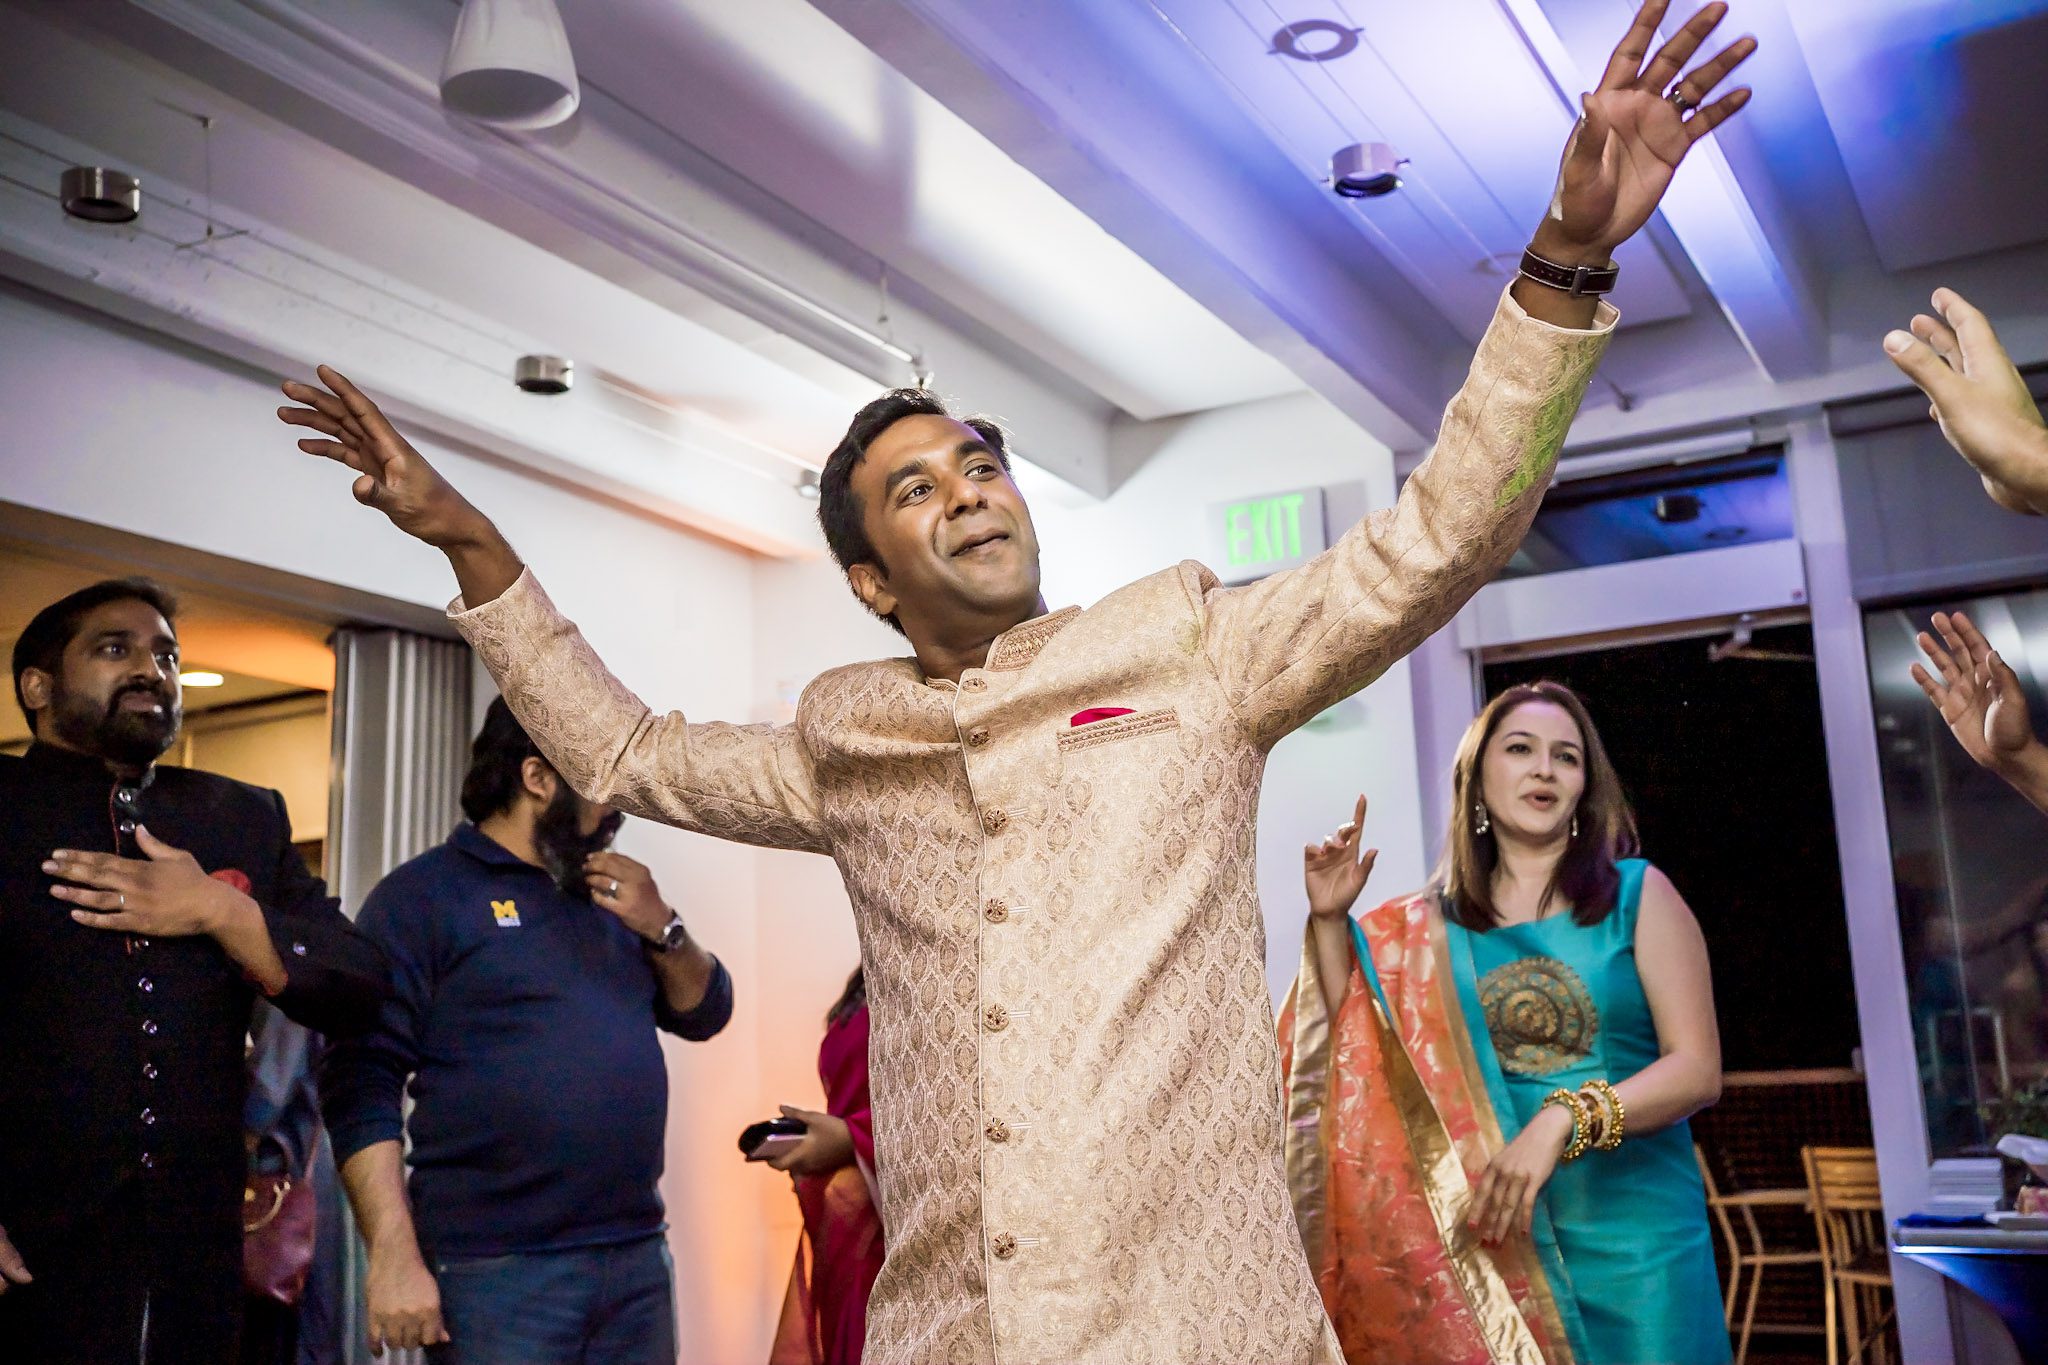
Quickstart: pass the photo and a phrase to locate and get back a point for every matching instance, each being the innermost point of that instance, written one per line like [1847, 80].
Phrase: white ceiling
[1088, 214]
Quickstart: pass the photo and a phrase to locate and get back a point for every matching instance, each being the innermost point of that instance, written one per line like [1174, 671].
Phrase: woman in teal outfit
[1550, 993]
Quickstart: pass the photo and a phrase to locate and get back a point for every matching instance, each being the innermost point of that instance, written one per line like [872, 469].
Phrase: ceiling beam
[610, 191]
[260, 296]
[1732, 226]
[1108, 106]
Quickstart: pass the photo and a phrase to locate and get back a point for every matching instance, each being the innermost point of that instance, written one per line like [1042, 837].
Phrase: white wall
[109, 426]
[285, 747]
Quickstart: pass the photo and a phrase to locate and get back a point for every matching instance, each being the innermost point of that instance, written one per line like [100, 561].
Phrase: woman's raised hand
[1335, 871]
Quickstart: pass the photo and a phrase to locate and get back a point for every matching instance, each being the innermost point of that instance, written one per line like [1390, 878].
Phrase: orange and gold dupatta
[1388, 1125]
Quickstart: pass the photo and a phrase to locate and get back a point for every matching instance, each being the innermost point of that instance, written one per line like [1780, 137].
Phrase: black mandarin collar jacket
[122, 1058]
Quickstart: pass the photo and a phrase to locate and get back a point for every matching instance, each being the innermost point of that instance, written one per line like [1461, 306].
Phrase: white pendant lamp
[509, 65]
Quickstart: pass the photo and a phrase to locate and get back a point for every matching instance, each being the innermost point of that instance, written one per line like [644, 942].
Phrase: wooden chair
[1752, 1254]
[1849, 1217]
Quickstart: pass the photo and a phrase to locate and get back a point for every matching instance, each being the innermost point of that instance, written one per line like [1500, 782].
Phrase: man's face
[945, 518]
[115, 693]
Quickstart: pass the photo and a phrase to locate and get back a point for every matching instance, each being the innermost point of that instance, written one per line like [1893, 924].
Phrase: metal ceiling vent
[99, 195]
[1316, 40]
[544, 373]
[509, 65]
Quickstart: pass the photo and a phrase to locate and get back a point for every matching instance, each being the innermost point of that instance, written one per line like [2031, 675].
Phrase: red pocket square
[1095, 713]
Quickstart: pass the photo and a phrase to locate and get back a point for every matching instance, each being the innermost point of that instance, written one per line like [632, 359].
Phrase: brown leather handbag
[278, 1215]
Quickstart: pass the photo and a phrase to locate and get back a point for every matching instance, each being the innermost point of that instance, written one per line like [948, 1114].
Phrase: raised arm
[1296, 642]
[1979, 398]
[1333, 873]
[1980, 700]
[396, 480]
[751, 783]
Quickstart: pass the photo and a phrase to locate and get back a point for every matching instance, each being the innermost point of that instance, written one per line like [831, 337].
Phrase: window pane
[1648, 513]
[1970, 861]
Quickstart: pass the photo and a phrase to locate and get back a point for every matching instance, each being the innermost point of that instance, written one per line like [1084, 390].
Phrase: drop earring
[1481, 820]
[1575, 825]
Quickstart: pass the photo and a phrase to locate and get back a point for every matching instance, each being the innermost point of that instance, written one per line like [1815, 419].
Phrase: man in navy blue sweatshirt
[531, 969]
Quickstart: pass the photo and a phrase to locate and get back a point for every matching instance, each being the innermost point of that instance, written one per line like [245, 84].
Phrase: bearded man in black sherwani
[142, 911]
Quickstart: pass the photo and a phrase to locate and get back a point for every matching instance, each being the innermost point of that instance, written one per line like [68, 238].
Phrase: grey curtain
[402, 726]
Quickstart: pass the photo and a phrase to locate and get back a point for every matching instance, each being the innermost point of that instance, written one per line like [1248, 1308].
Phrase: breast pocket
[1121, 738]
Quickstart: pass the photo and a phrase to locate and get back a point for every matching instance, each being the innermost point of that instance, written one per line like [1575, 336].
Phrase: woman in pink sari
[824, 1315]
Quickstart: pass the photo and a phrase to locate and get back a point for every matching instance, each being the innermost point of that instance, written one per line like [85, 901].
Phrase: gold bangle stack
[1612, 1115]
[1582, 1131]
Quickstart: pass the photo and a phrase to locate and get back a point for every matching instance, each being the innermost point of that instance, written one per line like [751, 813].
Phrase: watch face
[673, 936]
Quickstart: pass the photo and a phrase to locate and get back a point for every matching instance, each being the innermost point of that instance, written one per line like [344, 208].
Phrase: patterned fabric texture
[1076, 1085]
[1405, 1280]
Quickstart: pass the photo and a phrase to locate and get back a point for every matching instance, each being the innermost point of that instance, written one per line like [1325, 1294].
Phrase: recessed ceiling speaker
[544, 373]
[1366, 170]
[99, 195]
[509, 65]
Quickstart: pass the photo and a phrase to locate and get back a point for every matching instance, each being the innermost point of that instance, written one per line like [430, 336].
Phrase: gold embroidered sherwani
[1077, 1097]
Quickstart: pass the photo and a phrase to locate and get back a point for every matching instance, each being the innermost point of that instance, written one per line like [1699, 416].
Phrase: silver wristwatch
[673, 934]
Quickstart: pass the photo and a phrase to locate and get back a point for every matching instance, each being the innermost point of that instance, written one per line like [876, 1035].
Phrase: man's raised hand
[392, 476]
[1978, 396]
[1977, 693]
[1632, 136]
[396, 480]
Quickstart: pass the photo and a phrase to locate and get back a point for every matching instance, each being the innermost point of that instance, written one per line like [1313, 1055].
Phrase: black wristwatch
[1579, 281]
[673, 935]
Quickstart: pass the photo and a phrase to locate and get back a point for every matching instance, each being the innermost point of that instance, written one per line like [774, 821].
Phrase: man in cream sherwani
[1045, 822]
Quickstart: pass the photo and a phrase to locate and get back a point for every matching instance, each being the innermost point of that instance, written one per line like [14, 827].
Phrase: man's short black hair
[42, 645]
[497, 760]
[839, 509]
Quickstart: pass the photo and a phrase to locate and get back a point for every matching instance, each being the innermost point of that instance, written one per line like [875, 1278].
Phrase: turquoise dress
[1562, 1003]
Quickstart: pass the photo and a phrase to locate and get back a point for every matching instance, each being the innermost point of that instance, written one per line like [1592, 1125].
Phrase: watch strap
[674, 934]
[1579, 281]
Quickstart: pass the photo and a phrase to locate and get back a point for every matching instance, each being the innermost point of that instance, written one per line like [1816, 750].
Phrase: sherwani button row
[977, 737]
[995, 1018]
[149, 1027]
[145, 985]
[993, 821]
[996, 1130]
[974, 684]
[149, 1071]
[1002, 1246]
[148, 1117]
[997, 910]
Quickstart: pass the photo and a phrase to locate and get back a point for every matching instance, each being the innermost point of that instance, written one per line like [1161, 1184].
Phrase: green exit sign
[1261, 535]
